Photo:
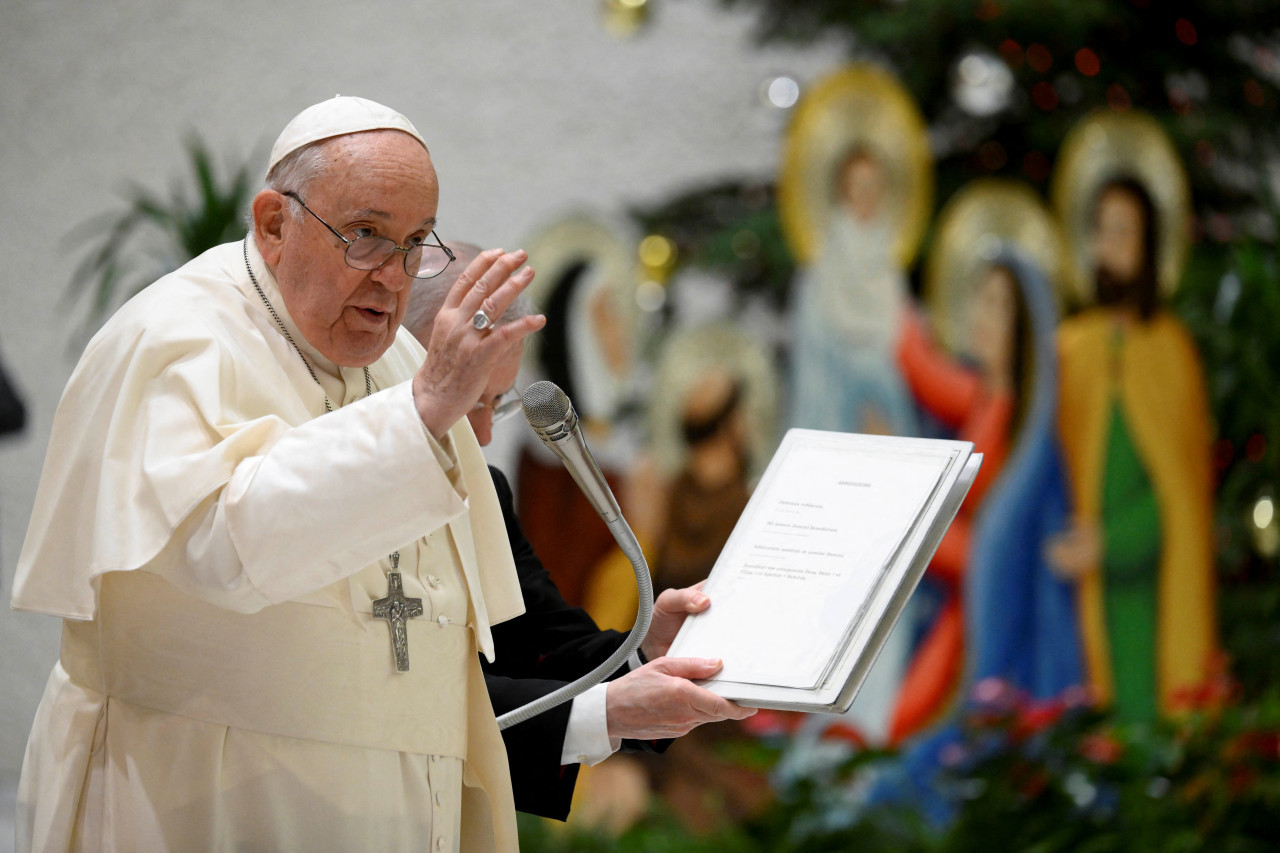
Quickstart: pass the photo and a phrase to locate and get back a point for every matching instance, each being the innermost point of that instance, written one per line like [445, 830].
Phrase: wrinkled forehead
[381, 174]
[378, 154]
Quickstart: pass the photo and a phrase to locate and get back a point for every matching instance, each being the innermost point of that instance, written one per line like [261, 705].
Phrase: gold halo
[584, 236]
[685, 358]
[857, 105]
[983, 217]
[1105, 145]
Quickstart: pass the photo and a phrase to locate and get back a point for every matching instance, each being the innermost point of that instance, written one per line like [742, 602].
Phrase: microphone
[556, 423]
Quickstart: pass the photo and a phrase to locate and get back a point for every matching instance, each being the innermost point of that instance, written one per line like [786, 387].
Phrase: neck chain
[368, 383]
[395, 607]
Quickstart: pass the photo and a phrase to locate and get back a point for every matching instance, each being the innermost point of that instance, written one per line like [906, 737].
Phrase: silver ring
[480, 320]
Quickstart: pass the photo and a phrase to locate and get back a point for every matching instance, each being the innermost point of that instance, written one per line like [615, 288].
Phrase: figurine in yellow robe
[1135, 431]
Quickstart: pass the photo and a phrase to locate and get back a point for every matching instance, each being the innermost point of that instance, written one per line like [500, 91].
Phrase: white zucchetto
[339, 115]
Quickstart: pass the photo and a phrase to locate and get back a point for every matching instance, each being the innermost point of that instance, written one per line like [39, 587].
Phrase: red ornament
[1087, 62]
[1039, 58]
[1011, 52]
[1186, 32]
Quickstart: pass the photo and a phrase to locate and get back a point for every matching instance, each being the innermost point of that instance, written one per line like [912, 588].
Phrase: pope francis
[271, 536]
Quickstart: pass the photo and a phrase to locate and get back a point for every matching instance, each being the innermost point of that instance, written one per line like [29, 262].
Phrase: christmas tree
[1001, 82]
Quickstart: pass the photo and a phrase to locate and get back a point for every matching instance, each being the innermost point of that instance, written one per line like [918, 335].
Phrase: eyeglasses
[369, 252]
[507, 404]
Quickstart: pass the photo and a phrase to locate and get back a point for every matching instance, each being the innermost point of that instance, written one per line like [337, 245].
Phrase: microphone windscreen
[545, 404]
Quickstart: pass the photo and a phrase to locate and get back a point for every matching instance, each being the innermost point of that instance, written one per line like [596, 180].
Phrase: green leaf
[178, 229]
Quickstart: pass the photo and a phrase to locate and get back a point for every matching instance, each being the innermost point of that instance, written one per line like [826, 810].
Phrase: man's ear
[269, 223]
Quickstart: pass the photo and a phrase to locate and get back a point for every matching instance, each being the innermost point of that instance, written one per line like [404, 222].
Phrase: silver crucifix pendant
[396, 608]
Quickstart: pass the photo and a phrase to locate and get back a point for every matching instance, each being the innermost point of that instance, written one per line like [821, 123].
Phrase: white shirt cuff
[587, 741]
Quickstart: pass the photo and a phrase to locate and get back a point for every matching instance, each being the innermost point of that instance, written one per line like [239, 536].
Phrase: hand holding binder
[833, 542]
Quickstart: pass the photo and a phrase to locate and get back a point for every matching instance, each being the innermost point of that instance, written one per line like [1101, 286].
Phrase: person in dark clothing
[645, 703]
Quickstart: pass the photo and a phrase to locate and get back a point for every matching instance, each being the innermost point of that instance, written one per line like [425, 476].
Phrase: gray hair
[428, 295]
[295, 172]
[298, 169]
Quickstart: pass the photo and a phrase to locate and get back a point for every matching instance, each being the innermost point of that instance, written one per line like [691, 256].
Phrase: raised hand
[461, 356]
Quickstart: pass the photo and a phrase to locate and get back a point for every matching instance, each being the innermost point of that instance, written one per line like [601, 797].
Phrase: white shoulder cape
[189, 405]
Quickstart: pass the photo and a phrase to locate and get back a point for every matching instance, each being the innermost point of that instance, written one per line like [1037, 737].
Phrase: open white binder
[821, 563]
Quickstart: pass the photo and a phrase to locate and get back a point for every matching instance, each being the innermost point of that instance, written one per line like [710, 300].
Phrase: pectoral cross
[396, 608]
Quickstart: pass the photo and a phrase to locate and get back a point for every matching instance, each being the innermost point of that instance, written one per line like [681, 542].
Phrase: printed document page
[807, 556]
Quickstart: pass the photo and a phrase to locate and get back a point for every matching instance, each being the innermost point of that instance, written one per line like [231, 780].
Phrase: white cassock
[213, 542]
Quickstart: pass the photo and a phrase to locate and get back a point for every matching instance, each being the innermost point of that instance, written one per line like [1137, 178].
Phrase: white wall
[530, 108]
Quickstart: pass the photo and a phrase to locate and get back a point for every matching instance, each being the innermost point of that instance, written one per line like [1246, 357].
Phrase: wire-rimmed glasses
[369, 252]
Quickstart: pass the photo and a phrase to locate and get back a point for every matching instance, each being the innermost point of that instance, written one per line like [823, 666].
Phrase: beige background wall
[530, 109]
